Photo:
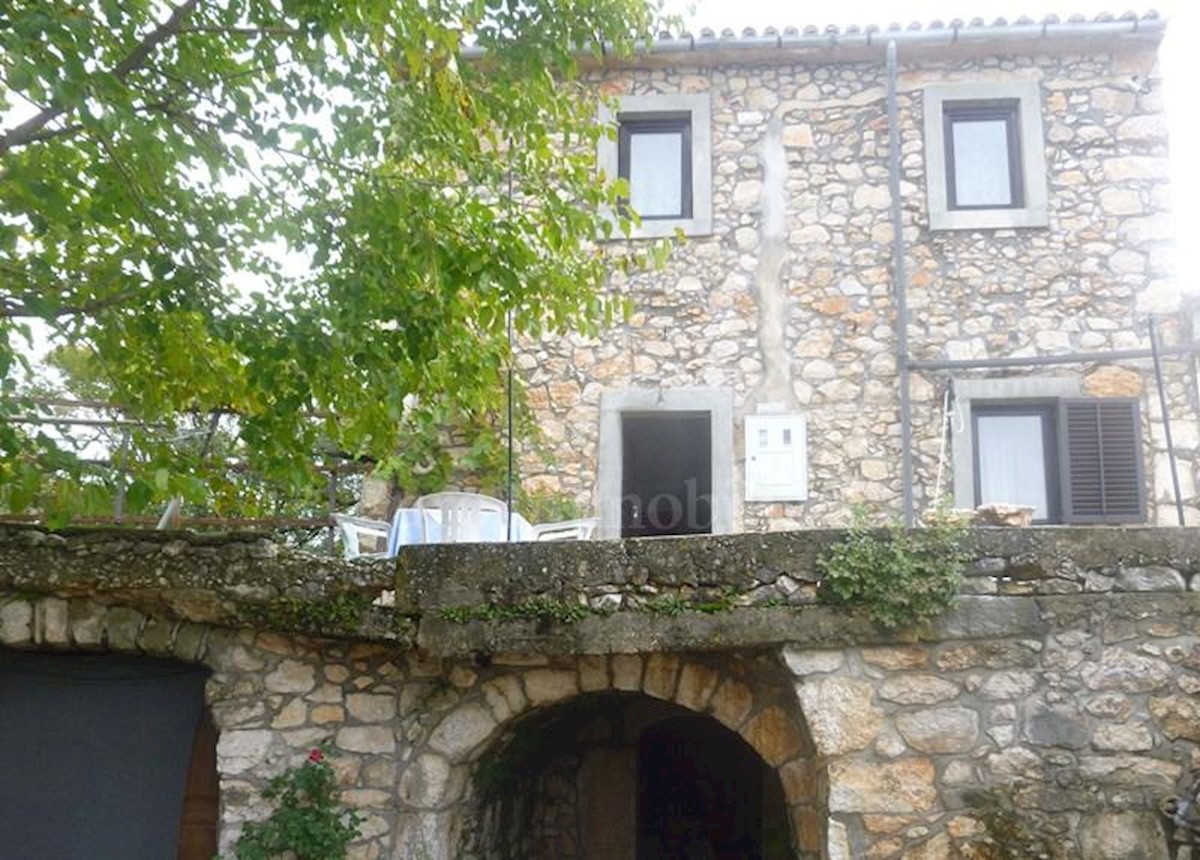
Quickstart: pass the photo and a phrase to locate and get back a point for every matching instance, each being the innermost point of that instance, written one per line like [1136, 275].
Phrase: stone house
[763, 382]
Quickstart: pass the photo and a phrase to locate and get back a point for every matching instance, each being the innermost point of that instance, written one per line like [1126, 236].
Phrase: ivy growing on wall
[898, 577]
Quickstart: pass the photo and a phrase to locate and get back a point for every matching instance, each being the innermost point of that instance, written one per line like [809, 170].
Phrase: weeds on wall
[308, 821]
[1008, 833]
[898, 577]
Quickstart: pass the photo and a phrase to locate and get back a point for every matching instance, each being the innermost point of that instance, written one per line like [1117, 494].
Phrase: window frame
[632, 109]
[1029, 130]
[976, 110]
[1047, 410]
[630, 126]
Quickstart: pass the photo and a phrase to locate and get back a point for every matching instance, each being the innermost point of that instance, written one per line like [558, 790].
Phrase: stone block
[1177, 716]
[901, 786]
[462, 731]
[803, 662]
[123, 627]
[697, 683]
[371, 707]
[731, 703]
[291, 676]
[1122, 835]
[918, 689]
[1050, 726]
[16, 623]
[840, 714]
[546, 686]
[366, 739]
[660, 676]
[940, 730]
[52, 622]
[774, 735]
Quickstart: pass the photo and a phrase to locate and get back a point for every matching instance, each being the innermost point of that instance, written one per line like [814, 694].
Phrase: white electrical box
[776, 458]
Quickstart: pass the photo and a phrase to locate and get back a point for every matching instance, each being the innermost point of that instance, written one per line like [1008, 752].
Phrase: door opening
[666, 473]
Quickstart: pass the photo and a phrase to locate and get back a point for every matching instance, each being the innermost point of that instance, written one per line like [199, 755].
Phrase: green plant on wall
[1008, 833]
[308, 821]
[897, 576]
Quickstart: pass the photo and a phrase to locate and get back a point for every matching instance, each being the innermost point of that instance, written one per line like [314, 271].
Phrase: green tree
[159, 164]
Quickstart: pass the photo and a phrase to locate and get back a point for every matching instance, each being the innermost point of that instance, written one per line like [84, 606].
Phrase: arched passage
[507, 717]
[623, 776]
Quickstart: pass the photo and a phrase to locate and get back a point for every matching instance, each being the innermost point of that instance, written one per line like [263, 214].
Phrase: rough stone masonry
[1063, 681]
[790, 298]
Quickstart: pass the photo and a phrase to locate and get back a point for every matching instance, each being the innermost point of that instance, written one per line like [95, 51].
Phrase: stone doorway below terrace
[626, 777]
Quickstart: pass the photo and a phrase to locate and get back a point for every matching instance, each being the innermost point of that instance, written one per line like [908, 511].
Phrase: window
[985, 159]
[1072, 459]
[663, 149]
[1016, 457]
[655, 158]
[983, 155]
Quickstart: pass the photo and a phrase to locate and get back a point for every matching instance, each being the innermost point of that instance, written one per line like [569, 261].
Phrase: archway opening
[106, 756]
[620, 776]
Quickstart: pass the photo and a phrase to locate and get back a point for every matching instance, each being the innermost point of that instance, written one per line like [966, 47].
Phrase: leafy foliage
[542, 505]
[313, 218]
[308, 821]
[897, 576]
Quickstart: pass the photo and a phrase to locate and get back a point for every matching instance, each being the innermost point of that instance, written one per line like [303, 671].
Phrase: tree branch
[34, 128]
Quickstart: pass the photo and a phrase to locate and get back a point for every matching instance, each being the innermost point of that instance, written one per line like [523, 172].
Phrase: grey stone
[1116, 835]
[1149, 579]
[1055, 726]
[940, 730]
[16, 623]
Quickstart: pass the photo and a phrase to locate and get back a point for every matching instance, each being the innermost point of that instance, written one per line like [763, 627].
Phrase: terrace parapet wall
[1065, 680]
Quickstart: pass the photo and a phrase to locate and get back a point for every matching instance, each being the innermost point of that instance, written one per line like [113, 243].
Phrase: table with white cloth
[406, 528]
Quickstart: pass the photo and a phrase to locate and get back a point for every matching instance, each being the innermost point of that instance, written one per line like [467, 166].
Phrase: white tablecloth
[406, 528]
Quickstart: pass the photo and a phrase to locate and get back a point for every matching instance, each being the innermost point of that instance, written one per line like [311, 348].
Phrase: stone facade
[790, 300]
[1064, 682]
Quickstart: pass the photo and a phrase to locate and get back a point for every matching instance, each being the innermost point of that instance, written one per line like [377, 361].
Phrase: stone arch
[747, 694]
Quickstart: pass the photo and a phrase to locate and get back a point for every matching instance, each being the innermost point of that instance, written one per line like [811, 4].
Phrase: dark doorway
[666, 473]
[617, 776]
[702, 794]
[97, 751]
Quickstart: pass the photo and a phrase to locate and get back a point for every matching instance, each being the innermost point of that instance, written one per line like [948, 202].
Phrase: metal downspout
[900, 279]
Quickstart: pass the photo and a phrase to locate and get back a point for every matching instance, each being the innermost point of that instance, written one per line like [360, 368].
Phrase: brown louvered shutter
[1100, 455]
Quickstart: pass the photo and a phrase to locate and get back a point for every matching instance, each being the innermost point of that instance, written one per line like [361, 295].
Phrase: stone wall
[1065, 683]
[814, 331]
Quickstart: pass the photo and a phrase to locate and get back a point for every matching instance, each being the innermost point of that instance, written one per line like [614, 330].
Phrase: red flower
[316, 756]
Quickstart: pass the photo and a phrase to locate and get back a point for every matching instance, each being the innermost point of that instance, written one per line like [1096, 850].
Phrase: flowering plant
[308, 821]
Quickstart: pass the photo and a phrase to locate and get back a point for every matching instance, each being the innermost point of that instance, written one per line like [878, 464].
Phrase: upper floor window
[655, 158]
[663, 150]
[984, 156]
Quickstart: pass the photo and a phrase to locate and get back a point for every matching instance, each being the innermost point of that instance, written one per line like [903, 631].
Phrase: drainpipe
[900, 279]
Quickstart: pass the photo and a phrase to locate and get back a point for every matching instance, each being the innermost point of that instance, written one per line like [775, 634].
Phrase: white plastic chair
[461, 515]
[353, 528]
[566, 530]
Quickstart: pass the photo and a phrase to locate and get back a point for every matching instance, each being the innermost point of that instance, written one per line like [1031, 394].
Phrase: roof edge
[833, 41]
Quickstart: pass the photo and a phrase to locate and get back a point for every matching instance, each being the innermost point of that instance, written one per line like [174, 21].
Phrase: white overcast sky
[1180, 66]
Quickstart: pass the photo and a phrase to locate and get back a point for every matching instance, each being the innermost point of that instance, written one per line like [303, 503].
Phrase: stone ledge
[759, 582]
